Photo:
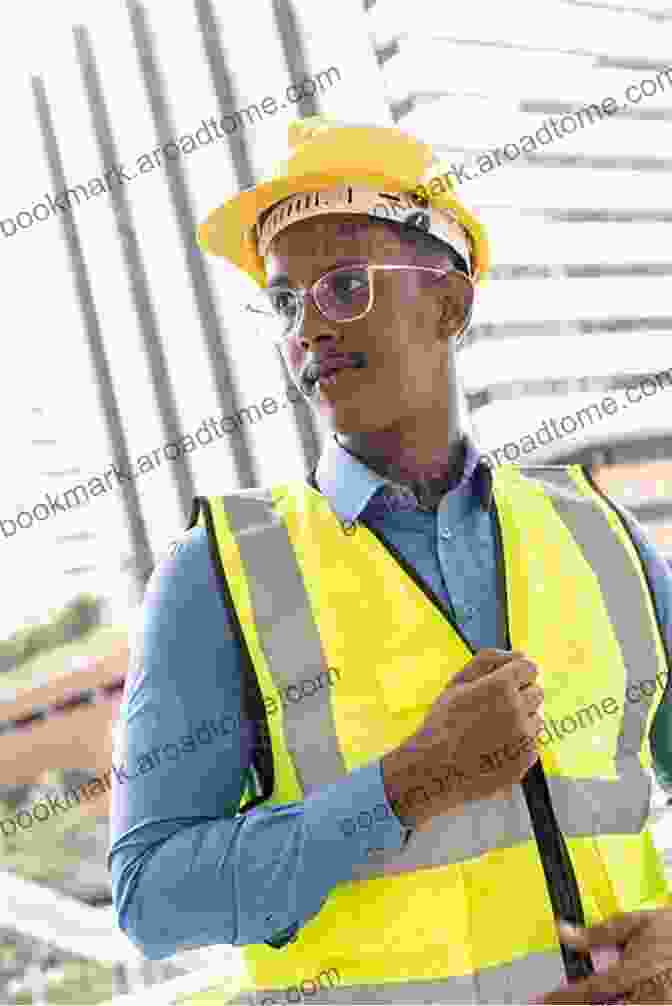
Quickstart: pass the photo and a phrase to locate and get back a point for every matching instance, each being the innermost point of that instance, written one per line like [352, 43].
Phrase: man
[390, 833]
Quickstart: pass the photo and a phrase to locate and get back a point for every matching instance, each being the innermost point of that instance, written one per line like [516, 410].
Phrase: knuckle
[511, 689]
[501, 684]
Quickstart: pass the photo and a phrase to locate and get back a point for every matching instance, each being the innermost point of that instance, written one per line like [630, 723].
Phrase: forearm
[187, 870]
[241, 881]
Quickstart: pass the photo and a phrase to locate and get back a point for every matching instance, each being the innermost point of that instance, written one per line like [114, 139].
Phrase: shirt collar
[349, 483]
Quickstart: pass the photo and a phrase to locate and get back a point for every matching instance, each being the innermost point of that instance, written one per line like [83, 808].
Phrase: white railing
[54, 919]
[166, 993]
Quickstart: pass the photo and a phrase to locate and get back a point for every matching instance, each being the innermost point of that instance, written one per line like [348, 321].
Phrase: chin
[349, 419]
[355, 410]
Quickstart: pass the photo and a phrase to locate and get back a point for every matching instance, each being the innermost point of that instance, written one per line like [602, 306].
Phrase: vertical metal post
[215, 338]
[91, 322]
[223, 85]
[135, 268]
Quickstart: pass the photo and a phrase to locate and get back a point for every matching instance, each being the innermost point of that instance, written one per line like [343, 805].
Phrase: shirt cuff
[352, 816]
[288, 935]
[358, 811]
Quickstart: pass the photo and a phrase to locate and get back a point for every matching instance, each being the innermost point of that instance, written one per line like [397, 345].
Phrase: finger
[531, 698]
[610, 984]
[654, 989]
[495, 652]
[521, 672]
[616, 930]
[524, 743]
[484, 663]
[525, 673]
[533, 729]
[491, 660]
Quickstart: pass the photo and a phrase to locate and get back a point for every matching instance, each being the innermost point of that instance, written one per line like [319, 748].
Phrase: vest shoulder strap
[262, 774]
[557, 480]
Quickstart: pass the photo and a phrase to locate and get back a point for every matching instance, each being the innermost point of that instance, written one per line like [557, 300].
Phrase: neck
[427, 465]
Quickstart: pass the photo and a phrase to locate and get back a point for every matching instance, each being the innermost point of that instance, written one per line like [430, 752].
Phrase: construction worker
[417, 692]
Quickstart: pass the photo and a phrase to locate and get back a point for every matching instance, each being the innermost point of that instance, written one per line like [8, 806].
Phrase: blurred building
[578, 303]
[152, 339]
[135, 338]
[54, 460]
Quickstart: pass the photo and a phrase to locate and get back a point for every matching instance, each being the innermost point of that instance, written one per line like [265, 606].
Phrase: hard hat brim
[329, 157]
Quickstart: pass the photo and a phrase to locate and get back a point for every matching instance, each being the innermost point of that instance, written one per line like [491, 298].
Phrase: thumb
[614, 931]
[485, 662]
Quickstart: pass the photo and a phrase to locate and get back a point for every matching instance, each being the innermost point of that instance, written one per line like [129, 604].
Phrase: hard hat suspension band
[403, 207]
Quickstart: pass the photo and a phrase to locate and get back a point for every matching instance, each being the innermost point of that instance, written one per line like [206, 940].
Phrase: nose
[316, 329]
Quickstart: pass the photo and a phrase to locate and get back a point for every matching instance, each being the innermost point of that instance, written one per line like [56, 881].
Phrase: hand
[477, 740]
[643, 975]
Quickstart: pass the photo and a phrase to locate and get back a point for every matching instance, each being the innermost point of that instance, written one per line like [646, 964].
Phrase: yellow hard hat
[324, 152]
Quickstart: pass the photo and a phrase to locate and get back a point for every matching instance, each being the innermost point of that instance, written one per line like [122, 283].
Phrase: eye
[347, 285]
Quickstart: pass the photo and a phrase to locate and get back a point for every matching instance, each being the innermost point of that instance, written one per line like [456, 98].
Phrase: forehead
[306, 248]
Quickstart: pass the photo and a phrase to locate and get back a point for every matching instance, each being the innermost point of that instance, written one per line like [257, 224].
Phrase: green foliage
[77, 618]
[47, 853]
[84, 984]
[101, 642]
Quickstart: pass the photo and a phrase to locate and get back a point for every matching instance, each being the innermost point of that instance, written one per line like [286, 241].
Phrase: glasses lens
[343, 293]
[274, 312]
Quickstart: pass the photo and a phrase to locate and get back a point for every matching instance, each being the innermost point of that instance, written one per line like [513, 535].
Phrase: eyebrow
[283, 278]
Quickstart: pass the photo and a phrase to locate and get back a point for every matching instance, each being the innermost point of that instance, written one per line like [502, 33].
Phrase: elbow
[156, 908]
[139, 921]
[143, 937]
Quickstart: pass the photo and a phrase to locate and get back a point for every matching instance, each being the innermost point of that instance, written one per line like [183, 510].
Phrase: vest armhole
[262, 767]
[196, 507]
[585, 471]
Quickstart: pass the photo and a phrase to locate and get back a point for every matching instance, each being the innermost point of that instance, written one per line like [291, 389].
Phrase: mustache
[311, 371]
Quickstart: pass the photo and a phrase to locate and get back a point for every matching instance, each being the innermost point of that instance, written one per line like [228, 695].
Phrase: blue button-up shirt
[188, 871]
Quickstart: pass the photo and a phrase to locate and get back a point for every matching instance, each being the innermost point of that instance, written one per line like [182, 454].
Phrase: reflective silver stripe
[622, 592]
[291, 643]
[600, 806]
[482, 826]
[582, 807]
[287, 634]
[518, 982]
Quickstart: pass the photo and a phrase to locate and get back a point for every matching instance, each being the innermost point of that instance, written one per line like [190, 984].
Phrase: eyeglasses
[342, 295]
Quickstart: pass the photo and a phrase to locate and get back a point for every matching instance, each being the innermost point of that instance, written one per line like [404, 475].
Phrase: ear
[456, 303]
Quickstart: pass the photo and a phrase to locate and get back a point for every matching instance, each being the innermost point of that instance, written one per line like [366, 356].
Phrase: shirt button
[446, 534]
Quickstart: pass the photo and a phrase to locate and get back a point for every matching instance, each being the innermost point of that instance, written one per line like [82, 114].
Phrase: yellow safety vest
[463, 913]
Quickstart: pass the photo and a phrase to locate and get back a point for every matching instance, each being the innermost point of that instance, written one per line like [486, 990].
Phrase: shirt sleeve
[660, 576]
[187, 870]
